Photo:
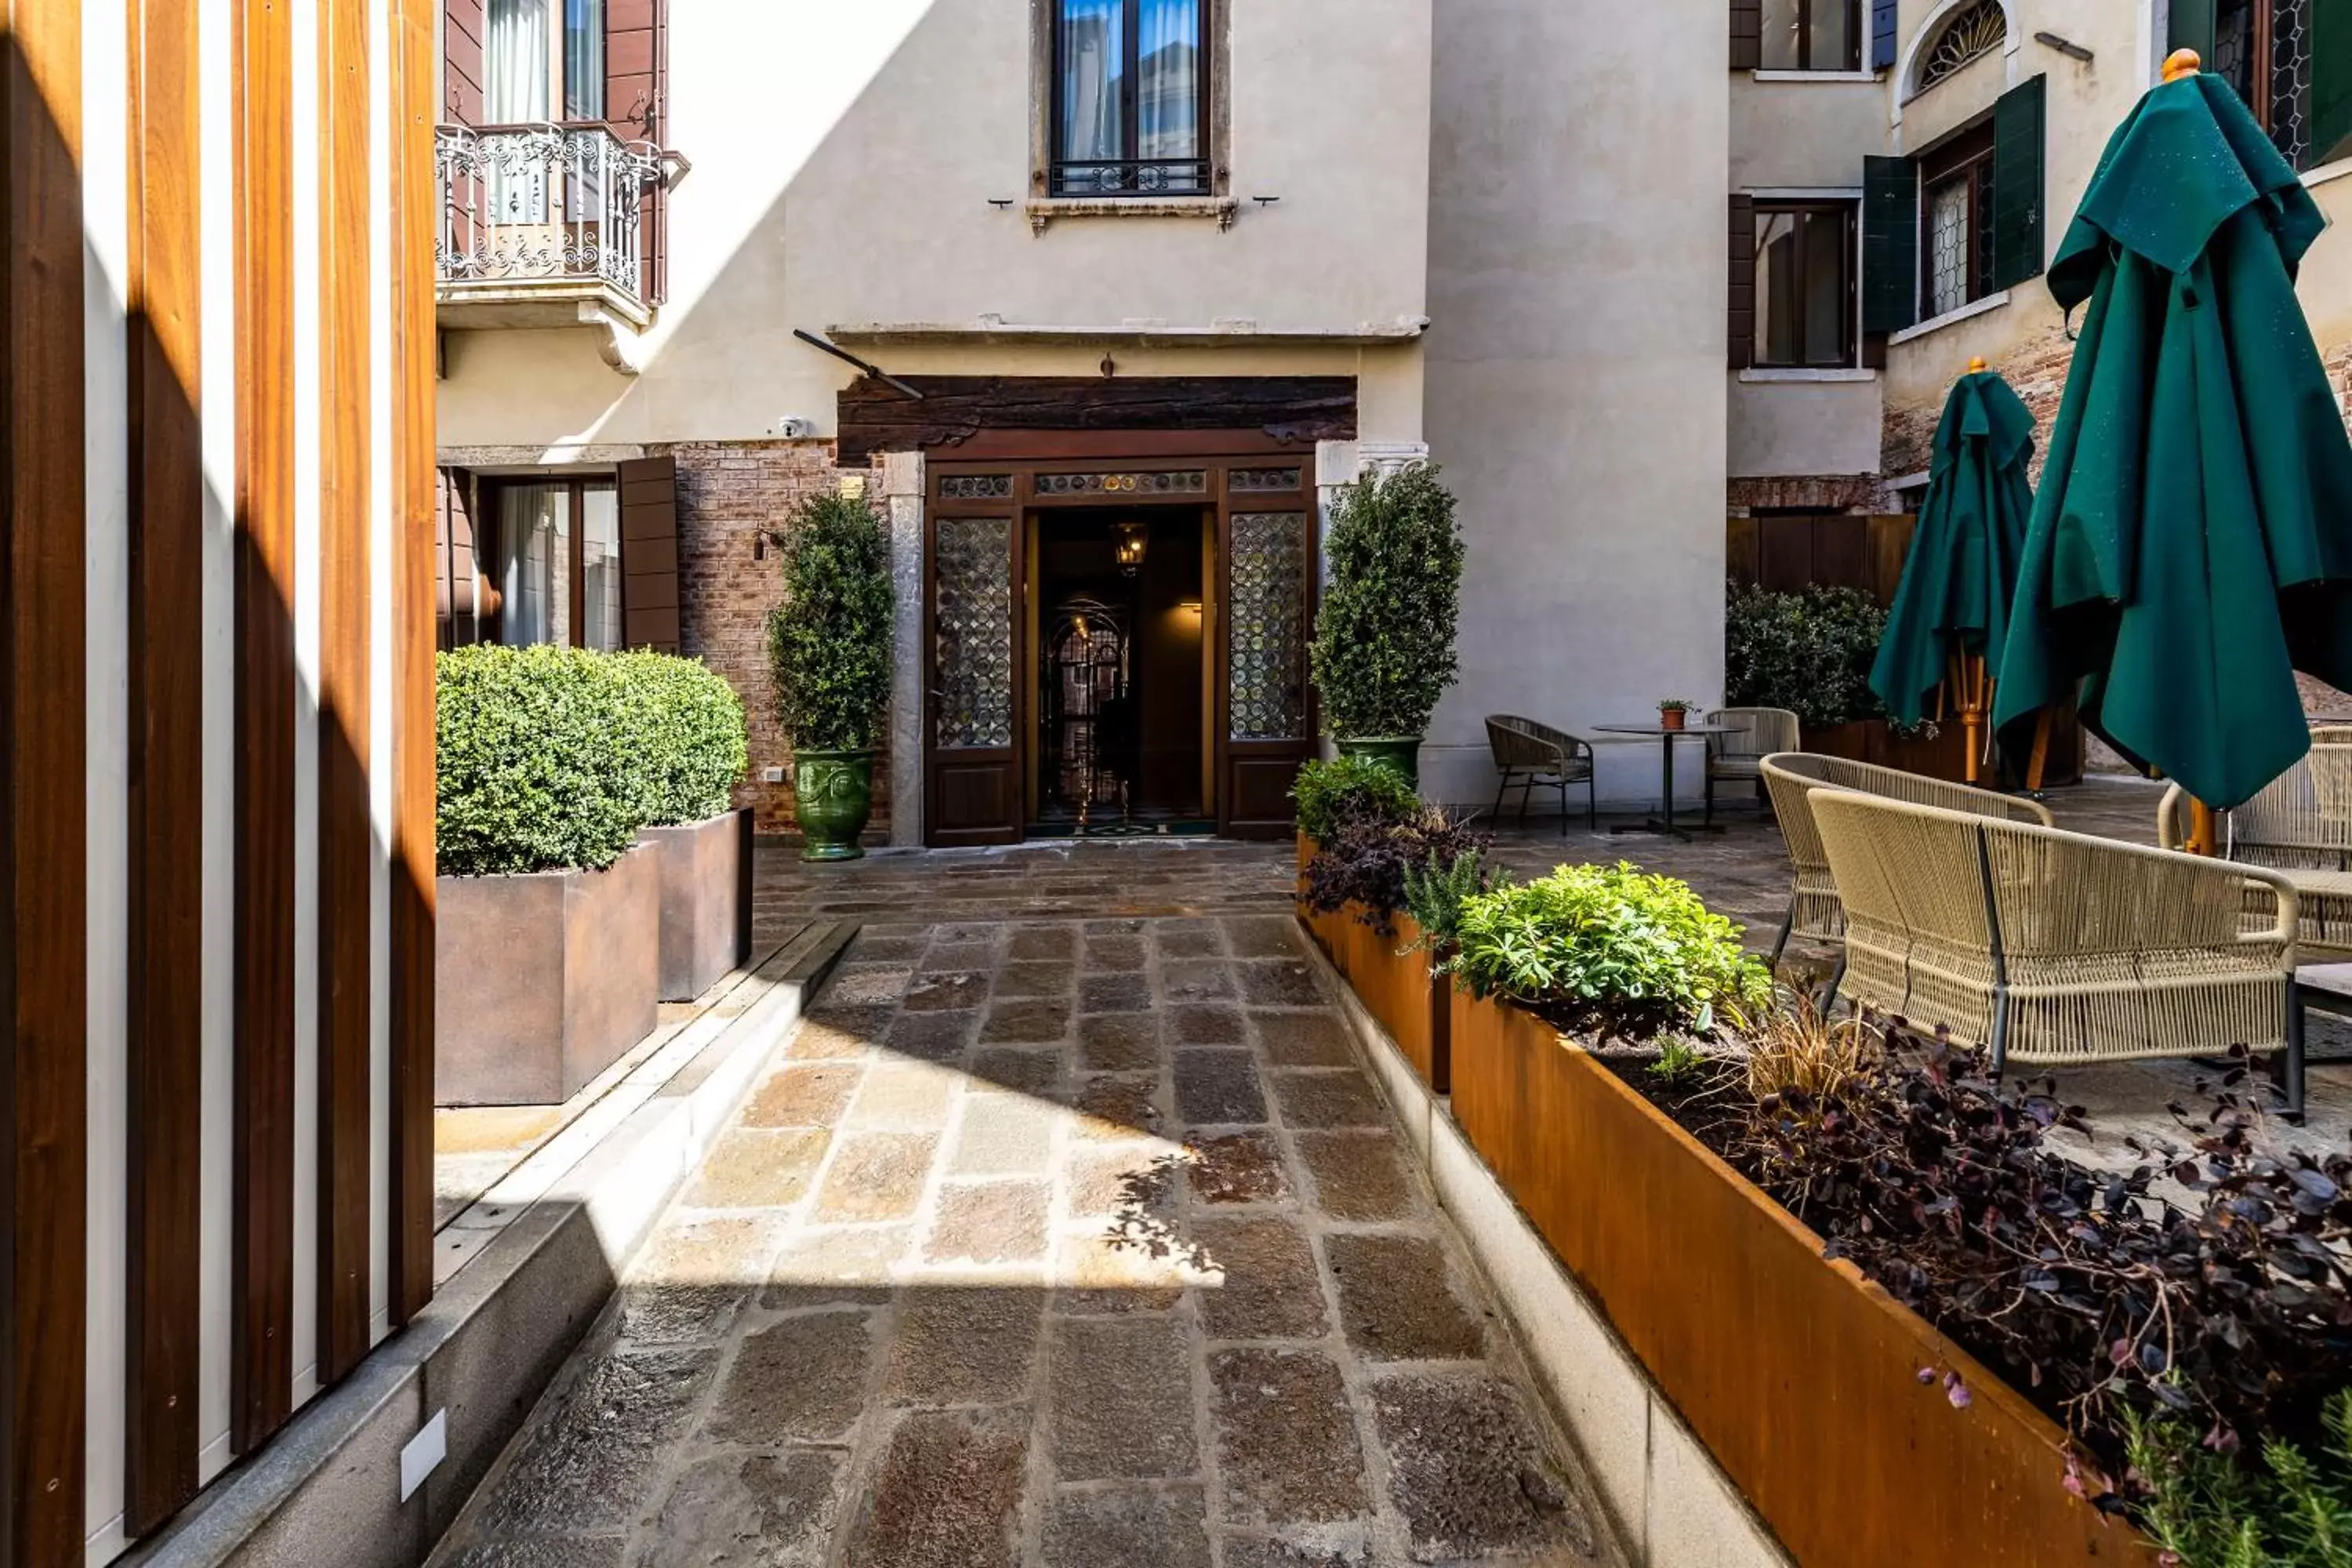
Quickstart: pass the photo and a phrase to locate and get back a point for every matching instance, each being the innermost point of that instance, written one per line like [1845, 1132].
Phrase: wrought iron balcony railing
[533, 204]
[1131, 177]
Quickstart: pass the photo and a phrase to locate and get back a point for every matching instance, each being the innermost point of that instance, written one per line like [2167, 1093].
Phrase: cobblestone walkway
[1074, 1242]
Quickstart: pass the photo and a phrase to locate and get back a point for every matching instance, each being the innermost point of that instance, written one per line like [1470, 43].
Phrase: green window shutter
[1747, 35]
[1742, 314]
[2018, 133]
[2331, 81]
[2194, 26]
[1890, 244]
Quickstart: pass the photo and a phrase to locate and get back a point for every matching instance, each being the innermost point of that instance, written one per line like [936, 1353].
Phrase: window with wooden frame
[1130, 112]
[1804, 288]
[1811, 36]
[1961, 221]
[558, 561]
[1956, 222]
[2290, 60]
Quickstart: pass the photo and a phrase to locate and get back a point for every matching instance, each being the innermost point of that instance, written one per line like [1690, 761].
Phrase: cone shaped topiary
[829, 652]
[1383, 651]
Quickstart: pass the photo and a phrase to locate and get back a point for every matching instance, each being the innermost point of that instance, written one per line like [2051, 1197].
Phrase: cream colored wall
[1795, 429]
[845, 157]
[1575, 373]
[1804, 133]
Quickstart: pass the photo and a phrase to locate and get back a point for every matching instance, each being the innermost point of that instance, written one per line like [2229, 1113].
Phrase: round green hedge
[550, 759]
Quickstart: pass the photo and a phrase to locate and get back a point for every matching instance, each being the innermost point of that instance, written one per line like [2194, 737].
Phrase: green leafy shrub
[1329, 792]
[1607, 947]
[2212, 1509]
[1383, 650]
[1437, 890]
[536, 770]
[1809, 652]
[829, 642]
[685, 728]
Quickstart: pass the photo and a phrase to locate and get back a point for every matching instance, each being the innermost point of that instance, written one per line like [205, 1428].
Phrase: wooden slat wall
[44, 713]
[136, 1291]
[1787, 554]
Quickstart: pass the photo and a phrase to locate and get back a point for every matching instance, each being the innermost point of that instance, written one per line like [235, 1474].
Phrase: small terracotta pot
[1671, 718]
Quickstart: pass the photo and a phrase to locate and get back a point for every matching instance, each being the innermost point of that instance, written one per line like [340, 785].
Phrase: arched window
[1973, 32]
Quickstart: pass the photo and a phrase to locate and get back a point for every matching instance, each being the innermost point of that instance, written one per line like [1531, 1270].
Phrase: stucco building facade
[1229, 256]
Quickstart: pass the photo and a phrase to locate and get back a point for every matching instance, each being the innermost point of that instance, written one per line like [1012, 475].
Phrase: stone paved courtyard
[1074, 1242]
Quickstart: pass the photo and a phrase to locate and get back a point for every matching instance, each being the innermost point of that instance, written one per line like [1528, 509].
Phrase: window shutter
[2195, 25]
[1742, 325]
[649, 598]
[463, 28]
[1883, 33]
[2331, 81]
[1747, 35]
[1890, 244]
[2018, 133]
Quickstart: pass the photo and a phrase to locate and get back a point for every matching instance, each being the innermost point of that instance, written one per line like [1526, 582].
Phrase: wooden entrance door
[1266, 549]
[973, 625]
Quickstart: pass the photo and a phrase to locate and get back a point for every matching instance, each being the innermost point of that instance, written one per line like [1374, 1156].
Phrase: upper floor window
[2272, 52]
[543, 60]
[1956, 222]
[1812, 35]
[1804, 285]
[1131, 98]
[1976, 31]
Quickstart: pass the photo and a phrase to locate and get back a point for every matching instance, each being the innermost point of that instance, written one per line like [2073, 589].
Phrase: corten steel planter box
[541, 982]
[1799, 1374]
[705, 904]
[1329, 931]
[1392, 975]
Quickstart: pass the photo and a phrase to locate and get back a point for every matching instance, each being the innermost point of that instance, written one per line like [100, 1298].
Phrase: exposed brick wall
[729, 494]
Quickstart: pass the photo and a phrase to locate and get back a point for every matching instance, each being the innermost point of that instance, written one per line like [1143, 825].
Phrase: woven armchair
[1535, 756]
[2049, 947]
[2300, 825]
[1791, 777]
[1754, 734]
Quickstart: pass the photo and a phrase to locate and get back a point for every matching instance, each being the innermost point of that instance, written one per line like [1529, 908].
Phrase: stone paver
[1065, 1234]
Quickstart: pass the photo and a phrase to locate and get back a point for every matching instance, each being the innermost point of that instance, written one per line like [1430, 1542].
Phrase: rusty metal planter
[706, 900]
[1329, 931]
[1799, 1374]
[1392, 975]
[541, 982]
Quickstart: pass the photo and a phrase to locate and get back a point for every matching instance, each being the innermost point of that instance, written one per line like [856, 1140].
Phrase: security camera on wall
[793, 428]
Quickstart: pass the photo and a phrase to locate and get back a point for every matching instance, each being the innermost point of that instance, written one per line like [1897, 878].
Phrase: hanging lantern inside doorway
[1130, 540]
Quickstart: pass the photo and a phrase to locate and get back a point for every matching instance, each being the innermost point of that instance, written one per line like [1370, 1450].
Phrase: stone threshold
[1666, 1503]
[517, 1287]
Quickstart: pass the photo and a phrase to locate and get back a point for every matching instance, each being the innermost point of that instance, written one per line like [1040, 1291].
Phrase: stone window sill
[1775, 76]
[1043, 210]
[1768, 376]
[2325, 173]
[1985, 306]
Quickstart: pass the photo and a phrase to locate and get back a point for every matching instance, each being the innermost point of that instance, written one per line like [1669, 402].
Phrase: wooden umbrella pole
[2204, 829]
[2040, 762]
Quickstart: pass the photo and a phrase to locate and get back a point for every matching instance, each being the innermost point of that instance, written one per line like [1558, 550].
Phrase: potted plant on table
[829, 651]
[1383, 650]
[1674, 712]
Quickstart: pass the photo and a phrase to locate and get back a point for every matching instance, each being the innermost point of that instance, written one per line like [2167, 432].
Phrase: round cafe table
[1667, 826]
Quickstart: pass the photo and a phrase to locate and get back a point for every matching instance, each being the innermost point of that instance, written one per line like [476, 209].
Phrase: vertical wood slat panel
[412, 204]
[44, 922]
[344, 827]
[262, 1263]
[166, 849]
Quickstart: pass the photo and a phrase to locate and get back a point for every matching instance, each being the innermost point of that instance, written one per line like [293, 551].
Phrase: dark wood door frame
[1019, 474]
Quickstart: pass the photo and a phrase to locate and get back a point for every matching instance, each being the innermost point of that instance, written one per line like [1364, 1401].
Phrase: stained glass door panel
[971, 762]
[1268, 729]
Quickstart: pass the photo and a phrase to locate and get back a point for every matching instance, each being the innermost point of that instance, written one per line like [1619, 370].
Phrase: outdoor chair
[1791, 777]
[2061, 948]
[2301, 826]
[1756, 734]
[1537, 756]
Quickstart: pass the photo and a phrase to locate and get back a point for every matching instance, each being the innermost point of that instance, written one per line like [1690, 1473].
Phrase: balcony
[546, 226]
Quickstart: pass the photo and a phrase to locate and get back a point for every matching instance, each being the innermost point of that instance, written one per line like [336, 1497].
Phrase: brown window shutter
[649, 598]
[1747, 35]
[1742, 314]
[636, 96]
[463, 28]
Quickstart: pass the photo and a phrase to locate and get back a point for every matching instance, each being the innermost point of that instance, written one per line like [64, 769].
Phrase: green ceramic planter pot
[1401, 754]
[832, 795]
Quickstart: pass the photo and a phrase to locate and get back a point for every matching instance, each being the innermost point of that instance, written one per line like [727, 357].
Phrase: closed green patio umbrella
[1951, 612]
[2192, 545]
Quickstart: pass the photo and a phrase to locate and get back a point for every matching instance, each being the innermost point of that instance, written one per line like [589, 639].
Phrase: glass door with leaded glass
[972, 624]
[1267, 547]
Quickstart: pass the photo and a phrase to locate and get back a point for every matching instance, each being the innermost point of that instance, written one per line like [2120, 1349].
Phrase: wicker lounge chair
[1738, 757]
[1793, 776]
[2057, 948]
[2301, 826]
[1537, 756]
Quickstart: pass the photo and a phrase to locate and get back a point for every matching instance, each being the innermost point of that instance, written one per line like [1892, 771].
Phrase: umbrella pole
[2204, 829]
[2039, 761]
[1973, 686]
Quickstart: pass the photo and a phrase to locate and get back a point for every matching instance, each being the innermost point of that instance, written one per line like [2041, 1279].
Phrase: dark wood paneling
[876, 417]
[1743, 550]
[166, 515]
[463, 29]
[1747, 35]
[1741, 310]
[44, 872]
[262, 1231]
[649, 595]
[412, 198]
[345, 830]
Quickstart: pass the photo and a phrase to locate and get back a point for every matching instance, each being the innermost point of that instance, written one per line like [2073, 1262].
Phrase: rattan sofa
[1791, 777]
[1535, 756]
[2061, 948]
[1754, 733]
[2300, 826]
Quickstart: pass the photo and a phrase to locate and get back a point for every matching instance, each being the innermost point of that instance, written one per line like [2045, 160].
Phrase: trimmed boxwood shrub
[536, 771]
[1329, 792]
[829, 642]
[1811, 652]
[687, 728]
[1383, 650]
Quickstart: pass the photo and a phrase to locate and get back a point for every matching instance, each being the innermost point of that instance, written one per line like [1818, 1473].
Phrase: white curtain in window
[1094, 52]
[600, 564]
[516, 93]
[584, 59]
[535, 532]
[1168, 68]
